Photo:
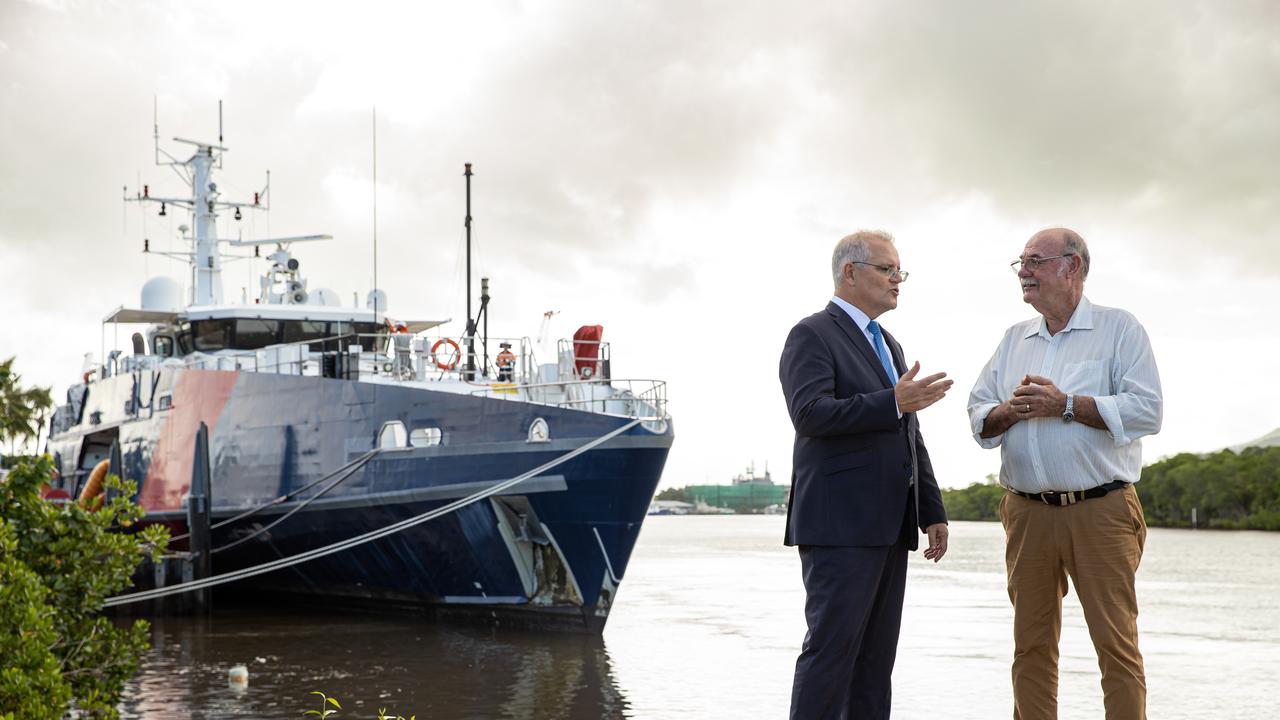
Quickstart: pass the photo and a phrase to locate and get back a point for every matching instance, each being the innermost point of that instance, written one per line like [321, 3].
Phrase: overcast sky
[678, 172]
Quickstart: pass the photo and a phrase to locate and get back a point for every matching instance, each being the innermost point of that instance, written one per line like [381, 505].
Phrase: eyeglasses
[1033, 264]
[888, 270]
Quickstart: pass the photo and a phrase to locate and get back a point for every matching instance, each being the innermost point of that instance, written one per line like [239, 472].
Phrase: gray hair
[853, 248]
[1074, 244]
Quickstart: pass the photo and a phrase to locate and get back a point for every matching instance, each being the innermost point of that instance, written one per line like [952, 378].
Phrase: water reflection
[708, 623]
[368, 662]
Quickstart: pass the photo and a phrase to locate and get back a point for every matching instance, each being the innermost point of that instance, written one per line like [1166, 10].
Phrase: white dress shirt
[862, 321]
[1103, 353]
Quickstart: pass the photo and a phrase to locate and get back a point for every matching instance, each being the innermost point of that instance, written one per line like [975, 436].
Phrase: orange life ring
[457, 354]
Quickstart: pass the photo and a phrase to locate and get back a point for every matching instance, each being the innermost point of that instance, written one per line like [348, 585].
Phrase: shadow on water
[430, 669]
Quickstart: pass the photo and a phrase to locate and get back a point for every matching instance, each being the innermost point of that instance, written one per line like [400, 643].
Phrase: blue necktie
[874, 328]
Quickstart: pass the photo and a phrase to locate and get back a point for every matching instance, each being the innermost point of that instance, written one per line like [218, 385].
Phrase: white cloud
[678, 174]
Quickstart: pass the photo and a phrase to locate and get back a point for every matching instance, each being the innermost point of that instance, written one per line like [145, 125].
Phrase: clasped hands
[913, 395]
[1037, 397]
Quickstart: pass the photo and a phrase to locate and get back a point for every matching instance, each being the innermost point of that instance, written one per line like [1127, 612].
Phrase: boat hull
[550, 550]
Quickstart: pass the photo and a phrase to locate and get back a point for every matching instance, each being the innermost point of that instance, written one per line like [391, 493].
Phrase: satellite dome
[325, 297]
[163, 294]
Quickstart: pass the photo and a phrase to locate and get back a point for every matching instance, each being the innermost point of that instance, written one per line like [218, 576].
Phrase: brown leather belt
[1062, 499]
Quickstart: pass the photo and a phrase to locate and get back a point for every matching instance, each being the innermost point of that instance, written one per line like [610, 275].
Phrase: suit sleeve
[808, 373]
[931, 509]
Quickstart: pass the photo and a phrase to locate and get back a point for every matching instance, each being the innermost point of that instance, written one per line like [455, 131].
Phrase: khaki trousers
[1098, 543]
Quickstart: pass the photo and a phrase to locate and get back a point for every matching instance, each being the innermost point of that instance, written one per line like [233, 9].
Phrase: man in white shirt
[1066, 397]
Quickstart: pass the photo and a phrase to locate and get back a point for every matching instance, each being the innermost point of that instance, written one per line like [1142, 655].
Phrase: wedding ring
[1026, 408]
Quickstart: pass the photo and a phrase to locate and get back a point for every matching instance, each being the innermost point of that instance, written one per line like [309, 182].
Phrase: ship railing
[397, 356]
[469, 358]
[585, 359]
[627, 397]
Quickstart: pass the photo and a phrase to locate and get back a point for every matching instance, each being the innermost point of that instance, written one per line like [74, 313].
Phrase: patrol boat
[357, 457]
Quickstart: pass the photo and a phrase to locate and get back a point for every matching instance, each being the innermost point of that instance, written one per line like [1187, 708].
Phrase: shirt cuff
[1110, 413]
[977, 418]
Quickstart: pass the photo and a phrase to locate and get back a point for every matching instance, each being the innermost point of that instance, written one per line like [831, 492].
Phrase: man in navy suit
[861, 483]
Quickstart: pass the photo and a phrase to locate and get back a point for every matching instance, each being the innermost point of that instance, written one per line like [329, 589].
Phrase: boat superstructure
[326, 422]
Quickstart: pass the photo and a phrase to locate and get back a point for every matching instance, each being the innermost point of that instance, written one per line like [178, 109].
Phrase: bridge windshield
[255, 333]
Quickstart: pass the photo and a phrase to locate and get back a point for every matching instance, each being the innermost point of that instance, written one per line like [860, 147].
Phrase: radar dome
[325, 297]
[163, 294]
[377, 300]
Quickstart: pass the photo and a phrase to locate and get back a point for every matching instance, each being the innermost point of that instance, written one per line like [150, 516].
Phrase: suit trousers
[853, 609]
[1098, 543]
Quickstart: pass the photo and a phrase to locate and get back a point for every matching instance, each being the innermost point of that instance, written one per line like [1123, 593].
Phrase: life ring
[453, 362]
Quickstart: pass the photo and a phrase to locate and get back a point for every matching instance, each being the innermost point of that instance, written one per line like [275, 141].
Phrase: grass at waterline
[326, 711]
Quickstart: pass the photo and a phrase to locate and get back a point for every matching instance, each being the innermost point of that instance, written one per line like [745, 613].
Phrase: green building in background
[749, 493]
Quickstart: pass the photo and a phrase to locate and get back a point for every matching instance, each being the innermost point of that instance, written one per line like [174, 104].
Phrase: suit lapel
[858, 339]
[895, 351]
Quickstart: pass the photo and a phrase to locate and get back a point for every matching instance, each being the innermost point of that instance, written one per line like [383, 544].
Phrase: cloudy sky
[678, 172]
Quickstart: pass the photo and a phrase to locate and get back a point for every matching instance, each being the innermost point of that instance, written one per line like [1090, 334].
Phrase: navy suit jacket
[854, 456]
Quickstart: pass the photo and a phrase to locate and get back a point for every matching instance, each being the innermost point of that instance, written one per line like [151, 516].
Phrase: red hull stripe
[199, 396]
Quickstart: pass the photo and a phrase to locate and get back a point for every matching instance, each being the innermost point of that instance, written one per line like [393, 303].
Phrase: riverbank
[1226, 490]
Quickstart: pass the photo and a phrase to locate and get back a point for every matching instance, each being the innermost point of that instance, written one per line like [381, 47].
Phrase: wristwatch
[1070, 413]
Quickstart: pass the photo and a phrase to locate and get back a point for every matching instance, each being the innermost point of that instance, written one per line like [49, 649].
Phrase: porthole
[538, 431]
[425, 437]
[392, 435]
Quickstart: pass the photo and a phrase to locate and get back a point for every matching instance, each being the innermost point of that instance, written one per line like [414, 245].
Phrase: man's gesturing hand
[1038, 397]
[937, 533]
[913, 395]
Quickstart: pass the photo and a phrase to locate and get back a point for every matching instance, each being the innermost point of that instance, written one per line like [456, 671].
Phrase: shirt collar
[1081, 319]
[859, 318]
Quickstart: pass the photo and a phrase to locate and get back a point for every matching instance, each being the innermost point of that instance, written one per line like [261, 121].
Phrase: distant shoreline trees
[1226, 490]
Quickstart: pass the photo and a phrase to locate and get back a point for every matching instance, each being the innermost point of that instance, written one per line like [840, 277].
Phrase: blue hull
[548, 551]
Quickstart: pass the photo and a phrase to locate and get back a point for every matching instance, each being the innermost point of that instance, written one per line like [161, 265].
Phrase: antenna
[155, 124]
[219, 131]
[470, 373]
[375, 212]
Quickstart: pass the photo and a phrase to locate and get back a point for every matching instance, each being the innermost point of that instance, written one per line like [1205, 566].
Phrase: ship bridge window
[162, 345]
[356, 333]
[300, 330]
[254, 333]
[209, 335]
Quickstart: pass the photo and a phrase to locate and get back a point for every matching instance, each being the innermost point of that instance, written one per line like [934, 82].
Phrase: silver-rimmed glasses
[1035, 263]
[888, 270]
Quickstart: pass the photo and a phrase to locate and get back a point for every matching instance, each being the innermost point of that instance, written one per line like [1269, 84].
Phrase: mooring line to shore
[348, 468]
[343, 475]
[366, 537]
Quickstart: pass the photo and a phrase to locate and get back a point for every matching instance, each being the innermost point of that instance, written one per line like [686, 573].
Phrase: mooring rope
[349, 468]
[349, 471]
[366, 537]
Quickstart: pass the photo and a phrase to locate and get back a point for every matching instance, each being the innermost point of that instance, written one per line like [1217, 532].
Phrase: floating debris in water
[238, 678]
